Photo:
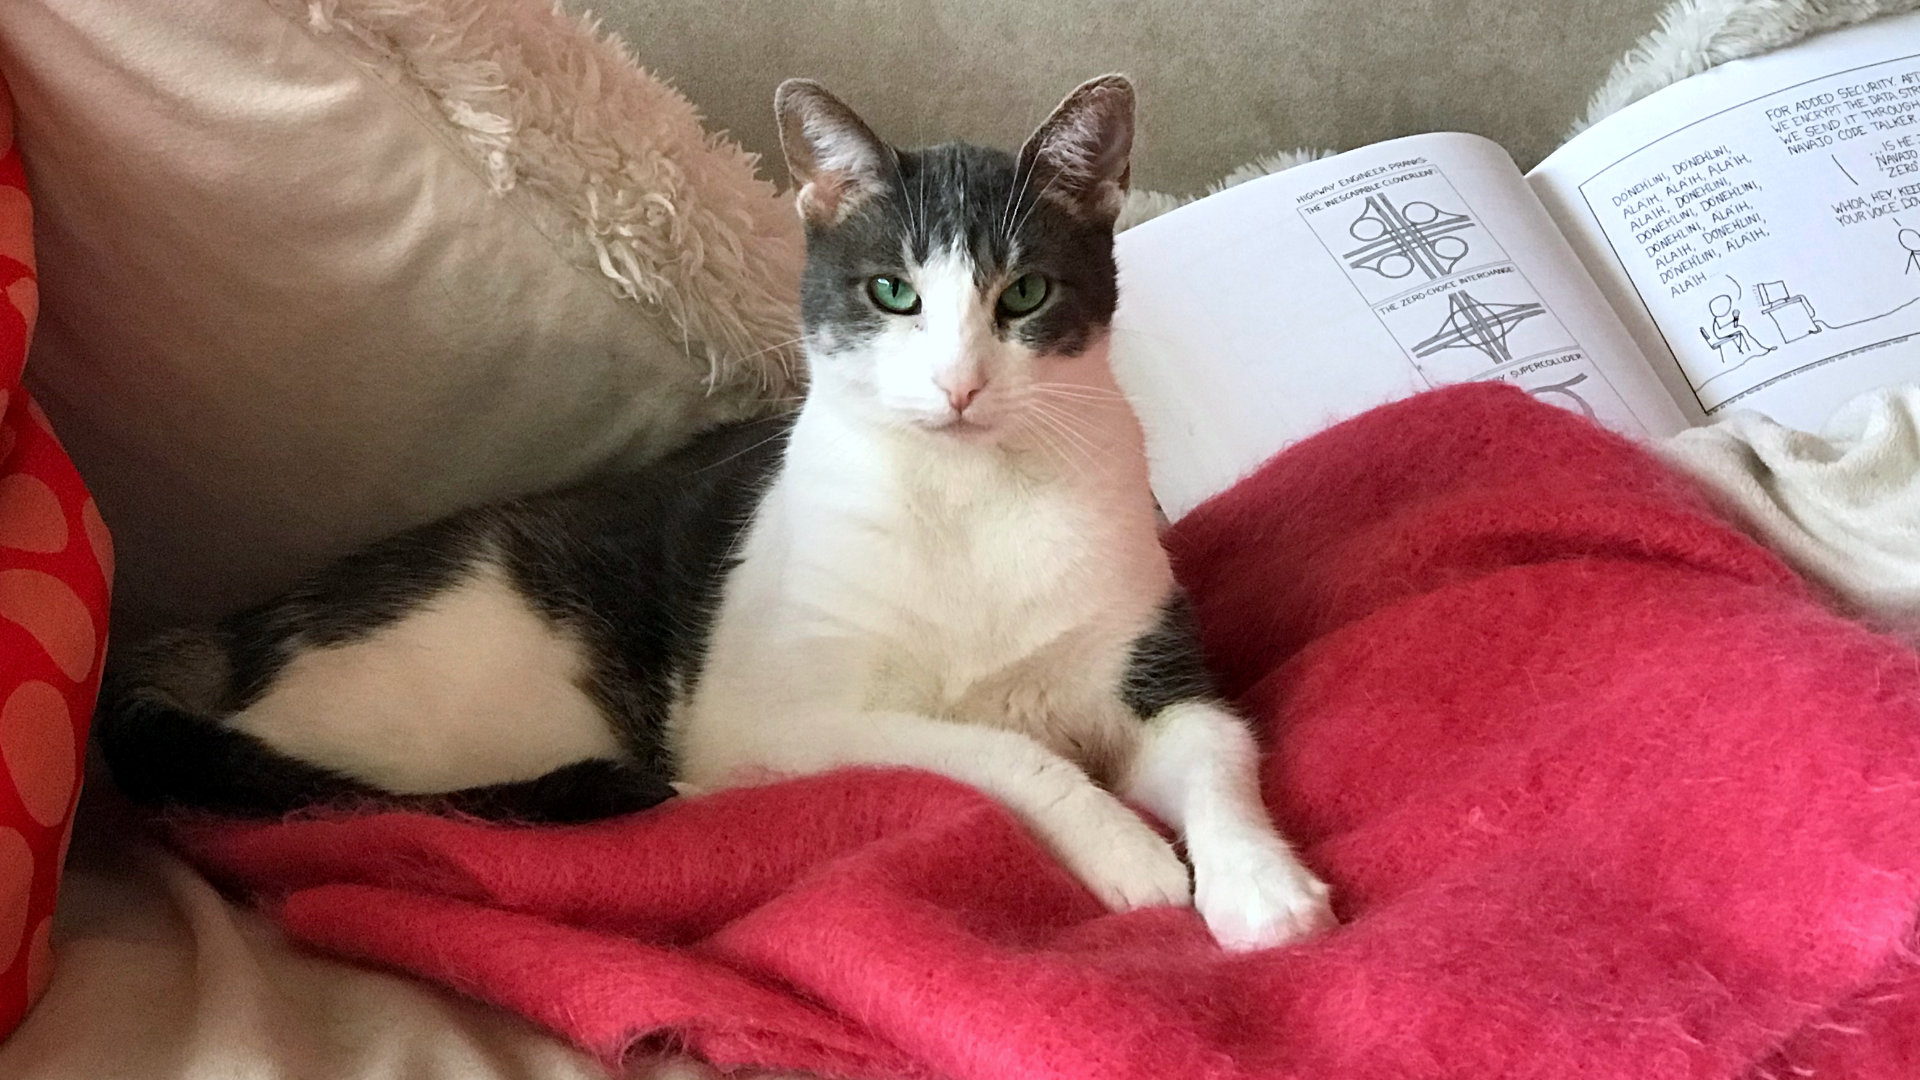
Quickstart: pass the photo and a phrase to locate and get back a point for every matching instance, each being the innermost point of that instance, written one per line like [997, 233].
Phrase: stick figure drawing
[1727, 331]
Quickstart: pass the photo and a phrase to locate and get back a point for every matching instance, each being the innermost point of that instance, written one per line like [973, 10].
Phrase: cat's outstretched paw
[1254, 894]
[1119, 856]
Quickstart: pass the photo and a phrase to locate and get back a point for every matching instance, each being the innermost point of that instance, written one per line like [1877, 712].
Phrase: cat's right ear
[1080, 154]
[835, 158]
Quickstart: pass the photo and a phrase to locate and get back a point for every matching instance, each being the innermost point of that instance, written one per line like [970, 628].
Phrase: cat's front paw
[1117, 855]
[1254, 894]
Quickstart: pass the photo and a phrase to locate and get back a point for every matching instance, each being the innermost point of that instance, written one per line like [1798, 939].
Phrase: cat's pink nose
[961, 387]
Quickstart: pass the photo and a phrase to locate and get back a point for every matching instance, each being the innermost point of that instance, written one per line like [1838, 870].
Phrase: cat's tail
[161, 727]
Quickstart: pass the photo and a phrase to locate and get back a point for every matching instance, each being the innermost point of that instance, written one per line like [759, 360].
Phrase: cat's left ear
[1080, 155]
[835, 158]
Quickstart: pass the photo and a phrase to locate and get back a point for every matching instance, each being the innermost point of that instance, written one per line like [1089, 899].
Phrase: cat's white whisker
[1015, 192]
[742, 452]
[906, 219]
[1087, 388]
[1091, 394]
[1047, 435]
[1070, 440]
[924, 238]
[1035, 204]
[1069, 424]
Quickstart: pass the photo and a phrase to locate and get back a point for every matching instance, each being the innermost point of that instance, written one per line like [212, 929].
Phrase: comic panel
[1401, 232]
[1462, 328]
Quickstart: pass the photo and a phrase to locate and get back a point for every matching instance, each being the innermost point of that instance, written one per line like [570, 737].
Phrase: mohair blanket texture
[1603, 790]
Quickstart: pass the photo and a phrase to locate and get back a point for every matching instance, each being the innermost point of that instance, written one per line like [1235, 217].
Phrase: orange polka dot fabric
[56, 565]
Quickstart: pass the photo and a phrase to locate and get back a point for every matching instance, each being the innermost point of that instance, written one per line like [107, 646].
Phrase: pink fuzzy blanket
[1602, 788]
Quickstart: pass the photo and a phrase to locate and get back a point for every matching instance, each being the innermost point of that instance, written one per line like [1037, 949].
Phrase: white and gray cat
[948, 559]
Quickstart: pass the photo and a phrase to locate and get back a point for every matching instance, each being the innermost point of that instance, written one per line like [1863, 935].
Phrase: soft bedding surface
[162, 977]
[1603, 789]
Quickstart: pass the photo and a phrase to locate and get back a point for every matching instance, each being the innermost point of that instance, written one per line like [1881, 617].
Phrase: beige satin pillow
[313, 271]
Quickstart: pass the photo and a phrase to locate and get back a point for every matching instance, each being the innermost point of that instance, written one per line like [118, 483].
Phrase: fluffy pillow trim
[611, 164]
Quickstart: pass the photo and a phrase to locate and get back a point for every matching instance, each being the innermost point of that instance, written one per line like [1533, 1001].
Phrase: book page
[1270, 311]
[1757, 227]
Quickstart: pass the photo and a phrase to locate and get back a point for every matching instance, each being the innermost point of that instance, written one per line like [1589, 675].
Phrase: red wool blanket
[1603, 791]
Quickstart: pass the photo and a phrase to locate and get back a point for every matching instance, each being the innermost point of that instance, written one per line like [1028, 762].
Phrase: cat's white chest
[872, 587]
[970, 595]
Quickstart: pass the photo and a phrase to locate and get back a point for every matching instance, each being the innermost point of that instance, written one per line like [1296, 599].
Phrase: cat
[948, 558]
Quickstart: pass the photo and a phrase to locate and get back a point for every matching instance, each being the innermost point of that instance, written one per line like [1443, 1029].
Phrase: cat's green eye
[892, 294]
[1027, 293]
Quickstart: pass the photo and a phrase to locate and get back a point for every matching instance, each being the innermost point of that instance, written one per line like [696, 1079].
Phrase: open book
[1748, 238]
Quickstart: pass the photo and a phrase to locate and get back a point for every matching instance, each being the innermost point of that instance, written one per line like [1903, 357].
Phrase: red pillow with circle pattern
[56, 562]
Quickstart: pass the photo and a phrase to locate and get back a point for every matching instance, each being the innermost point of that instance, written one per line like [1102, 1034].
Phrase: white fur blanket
[1842, 505]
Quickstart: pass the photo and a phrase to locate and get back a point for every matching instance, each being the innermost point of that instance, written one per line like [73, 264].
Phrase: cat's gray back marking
[630, 566]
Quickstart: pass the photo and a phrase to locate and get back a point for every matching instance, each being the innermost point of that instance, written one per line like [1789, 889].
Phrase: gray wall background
[1221, 82]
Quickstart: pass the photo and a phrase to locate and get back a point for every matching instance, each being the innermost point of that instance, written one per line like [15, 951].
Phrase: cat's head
[958, 290]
